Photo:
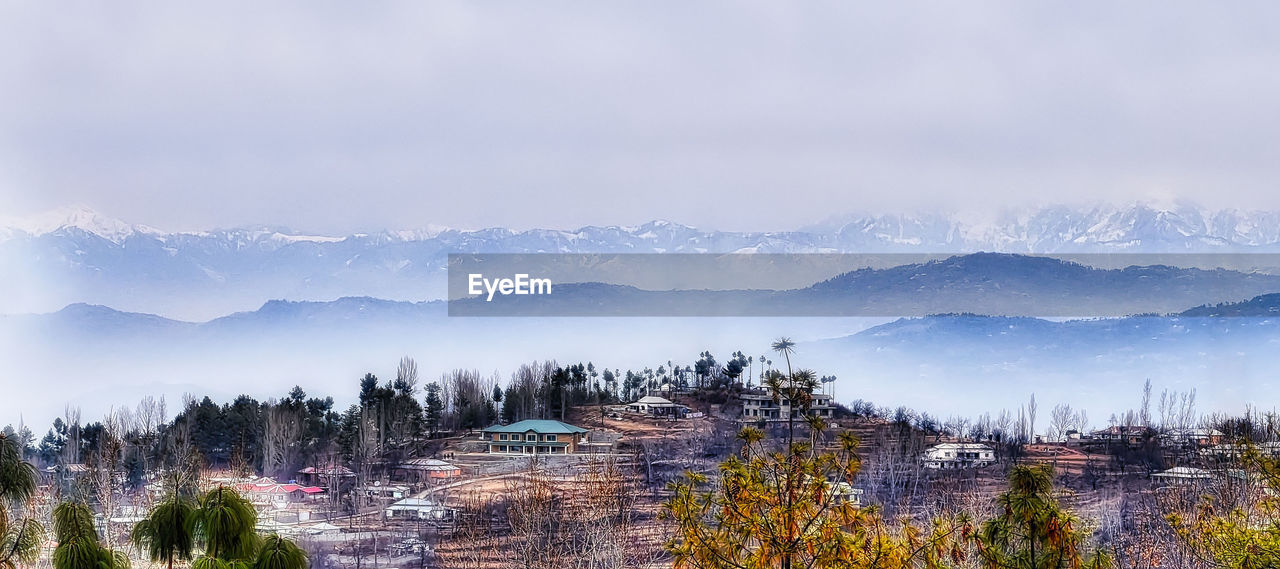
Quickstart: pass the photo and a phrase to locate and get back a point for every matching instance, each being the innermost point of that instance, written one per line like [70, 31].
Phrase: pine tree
[435, 408]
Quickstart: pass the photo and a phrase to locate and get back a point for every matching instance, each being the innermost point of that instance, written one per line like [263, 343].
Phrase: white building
[379, 490]
[762, 407]
[657, 407]
[1199, 437]
[958, 455]
[1182, 475]
[418, 509]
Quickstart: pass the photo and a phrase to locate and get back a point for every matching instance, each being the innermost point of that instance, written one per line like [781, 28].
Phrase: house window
[551, 438]
[531, 437]
[502, 437]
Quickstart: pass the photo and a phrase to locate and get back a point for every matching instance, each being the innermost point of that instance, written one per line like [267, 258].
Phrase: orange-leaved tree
[790, 504]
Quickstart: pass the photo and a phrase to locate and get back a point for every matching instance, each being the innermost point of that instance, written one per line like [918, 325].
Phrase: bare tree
[104, 466]
[367, 450]
[407, 375]
[148, 417]
[1081, 421]
[473, 542]
[1031, 419]
[585, 521]
[533, 516]
[1061, 420]
[1144, 413]
[281, 439]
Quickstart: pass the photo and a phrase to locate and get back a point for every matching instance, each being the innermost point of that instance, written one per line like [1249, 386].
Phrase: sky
[337, 117]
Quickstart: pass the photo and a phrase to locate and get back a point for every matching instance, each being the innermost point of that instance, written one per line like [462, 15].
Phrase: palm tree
[168, 533]
[798, 388]
[78, 546]
[224, 523]
[280, 553]
[21, 538]
[784, 346]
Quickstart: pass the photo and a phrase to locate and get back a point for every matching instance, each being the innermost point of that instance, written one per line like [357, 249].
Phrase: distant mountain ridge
[985, 362]
[980, 283]
[81, 256]
[985, 284]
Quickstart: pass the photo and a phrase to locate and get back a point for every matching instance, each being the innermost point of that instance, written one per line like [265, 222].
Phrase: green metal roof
[540, 426]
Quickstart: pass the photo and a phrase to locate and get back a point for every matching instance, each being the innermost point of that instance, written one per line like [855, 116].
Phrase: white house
[417, 509]
[958, 455]
[1182, 475]
[657, 407]
[1199, 437]
[760, 406]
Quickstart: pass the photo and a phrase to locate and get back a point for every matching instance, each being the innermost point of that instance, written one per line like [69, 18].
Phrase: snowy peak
[78, 217]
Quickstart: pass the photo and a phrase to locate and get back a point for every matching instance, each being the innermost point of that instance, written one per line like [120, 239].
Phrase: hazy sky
[338, 117]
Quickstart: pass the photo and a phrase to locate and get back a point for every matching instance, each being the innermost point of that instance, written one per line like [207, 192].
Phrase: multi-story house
[534, 436]
[958, 455]
[761, 406]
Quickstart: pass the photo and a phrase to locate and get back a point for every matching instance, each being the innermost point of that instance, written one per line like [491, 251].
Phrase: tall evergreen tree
[435, 408]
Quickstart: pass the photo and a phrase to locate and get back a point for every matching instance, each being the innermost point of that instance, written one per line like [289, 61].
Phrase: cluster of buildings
[550, 437]
[265, 491]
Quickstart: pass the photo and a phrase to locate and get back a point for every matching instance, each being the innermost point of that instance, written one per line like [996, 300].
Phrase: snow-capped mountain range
[78, 255]
[1051, 229]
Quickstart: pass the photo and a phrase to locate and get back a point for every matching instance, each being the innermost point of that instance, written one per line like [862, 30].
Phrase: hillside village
[455, 496]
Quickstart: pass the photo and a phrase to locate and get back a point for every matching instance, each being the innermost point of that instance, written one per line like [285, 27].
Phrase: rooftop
[961, 446]
[1184, 472]
[543, 426]
[410, 503]
[654, 400]
[427, 464]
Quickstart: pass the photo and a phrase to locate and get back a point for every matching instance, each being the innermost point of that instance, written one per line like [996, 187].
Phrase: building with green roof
[534, 436]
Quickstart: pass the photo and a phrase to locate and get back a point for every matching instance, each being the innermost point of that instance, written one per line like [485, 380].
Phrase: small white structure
[418, 509]
[323, 528]
[958, 455]
[846, 493]
[386, 491]
[1232, 451]
[657, 407]
[1182, 475]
